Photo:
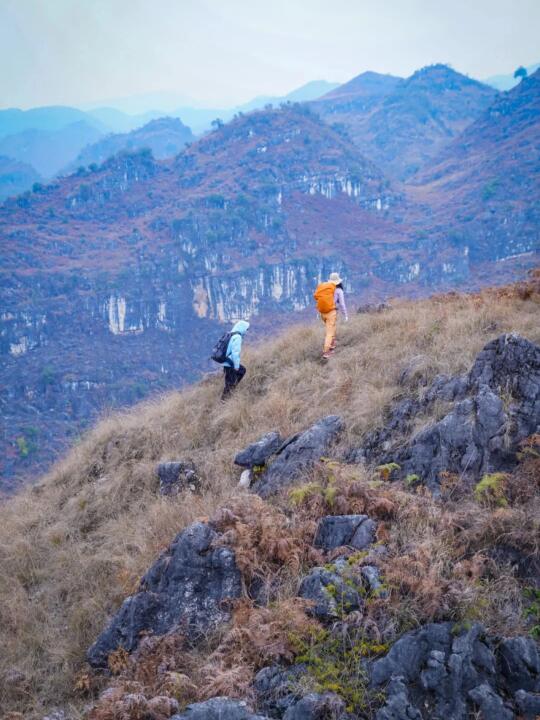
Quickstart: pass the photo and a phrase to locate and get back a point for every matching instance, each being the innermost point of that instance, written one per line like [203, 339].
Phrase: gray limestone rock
[218, 708]
[174, 477]
[520, 664]
[528, 704]
[299, 454]
[277, 688]
[446, 674]
[491, 409]
[398, 705]
[490, 704]
[358, 531]
[258, 453]
[317, 706]
[187, 588]
[333, 597]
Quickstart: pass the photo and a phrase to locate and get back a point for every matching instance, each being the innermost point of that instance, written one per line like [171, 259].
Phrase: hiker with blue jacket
[227, 353]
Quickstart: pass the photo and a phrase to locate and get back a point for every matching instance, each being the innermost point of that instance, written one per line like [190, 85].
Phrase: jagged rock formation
[298, 454]
[434, 672]
[357, 531]
[174, 477]
[256, 454]
[437, 672]
[493, 408]
[315, 706]
[186, 588]
[219, 708]
[331, 595]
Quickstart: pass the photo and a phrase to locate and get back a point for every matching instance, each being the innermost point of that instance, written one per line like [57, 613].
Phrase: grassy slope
[73, 546]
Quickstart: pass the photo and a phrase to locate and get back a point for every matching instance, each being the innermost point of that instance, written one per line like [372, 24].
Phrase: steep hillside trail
[75, 545]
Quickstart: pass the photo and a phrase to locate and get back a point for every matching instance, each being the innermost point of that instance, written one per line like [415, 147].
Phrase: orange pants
[329, 319]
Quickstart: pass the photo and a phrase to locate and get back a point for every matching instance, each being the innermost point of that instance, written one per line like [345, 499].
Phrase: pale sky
[225, 52]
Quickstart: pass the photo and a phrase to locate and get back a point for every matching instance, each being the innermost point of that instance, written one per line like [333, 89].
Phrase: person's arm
[339, 299]
[235, 347]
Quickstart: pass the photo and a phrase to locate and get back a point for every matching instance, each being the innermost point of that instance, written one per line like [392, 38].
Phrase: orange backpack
[324, 295]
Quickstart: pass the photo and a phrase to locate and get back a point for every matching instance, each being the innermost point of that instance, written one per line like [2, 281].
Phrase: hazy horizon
[68, 52]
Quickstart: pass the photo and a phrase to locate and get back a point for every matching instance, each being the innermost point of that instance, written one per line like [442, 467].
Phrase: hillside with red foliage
[403, 124]
[116, 280]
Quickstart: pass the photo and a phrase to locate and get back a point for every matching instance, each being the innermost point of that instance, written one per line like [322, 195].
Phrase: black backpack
[219, 353]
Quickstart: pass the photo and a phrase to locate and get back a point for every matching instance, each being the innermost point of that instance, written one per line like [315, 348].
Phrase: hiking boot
[326, 355]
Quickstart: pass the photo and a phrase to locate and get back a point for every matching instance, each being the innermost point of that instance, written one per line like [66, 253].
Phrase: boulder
[218, 708]
[257, 454]
[277, 688]
[528, 704]
[480, 432]
[491, 705]
[332, 595]
[174, 477]
[187, 588]
[317, 706]
[298, 455]
[440, 672]
[370, 575]
[520, 664]
[398, 705]
[358, 531]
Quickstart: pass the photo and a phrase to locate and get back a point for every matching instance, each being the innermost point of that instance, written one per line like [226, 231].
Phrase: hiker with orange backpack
[330, 298]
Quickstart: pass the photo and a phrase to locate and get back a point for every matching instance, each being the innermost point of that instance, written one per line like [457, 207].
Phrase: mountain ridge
[244, 222]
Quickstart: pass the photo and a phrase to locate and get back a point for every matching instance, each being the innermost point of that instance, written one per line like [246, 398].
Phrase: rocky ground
[445, 670]
[392, 574]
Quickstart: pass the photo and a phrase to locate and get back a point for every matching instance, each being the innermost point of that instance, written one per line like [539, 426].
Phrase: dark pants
[232, 378]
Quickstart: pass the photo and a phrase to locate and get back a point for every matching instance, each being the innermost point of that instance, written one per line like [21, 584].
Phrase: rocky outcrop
[218, 708]
[279, 695]
[357, 531]
[277, 688]
[493, 408]
[257, 454]
[331, 594]
[174, 477]
[438, 672]
[298, 455]
[186, 589]
[317, 706]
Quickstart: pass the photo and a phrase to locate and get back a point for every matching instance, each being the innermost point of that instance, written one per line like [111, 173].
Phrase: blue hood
[240, 327]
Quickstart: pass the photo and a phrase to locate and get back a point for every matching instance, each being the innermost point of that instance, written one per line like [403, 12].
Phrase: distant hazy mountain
[48, 151]
[366, 85]
[51, 118]
[310, 91]
[507, 82]
[118, 121]
[401, 124]
[15, 177]
[164, 137]
[125, 114]
[143, 103]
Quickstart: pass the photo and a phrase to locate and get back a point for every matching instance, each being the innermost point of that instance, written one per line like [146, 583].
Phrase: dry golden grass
[73, 546]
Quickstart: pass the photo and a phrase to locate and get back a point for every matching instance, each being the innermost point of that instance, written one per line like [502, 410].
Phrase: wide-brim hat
[334, 278]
